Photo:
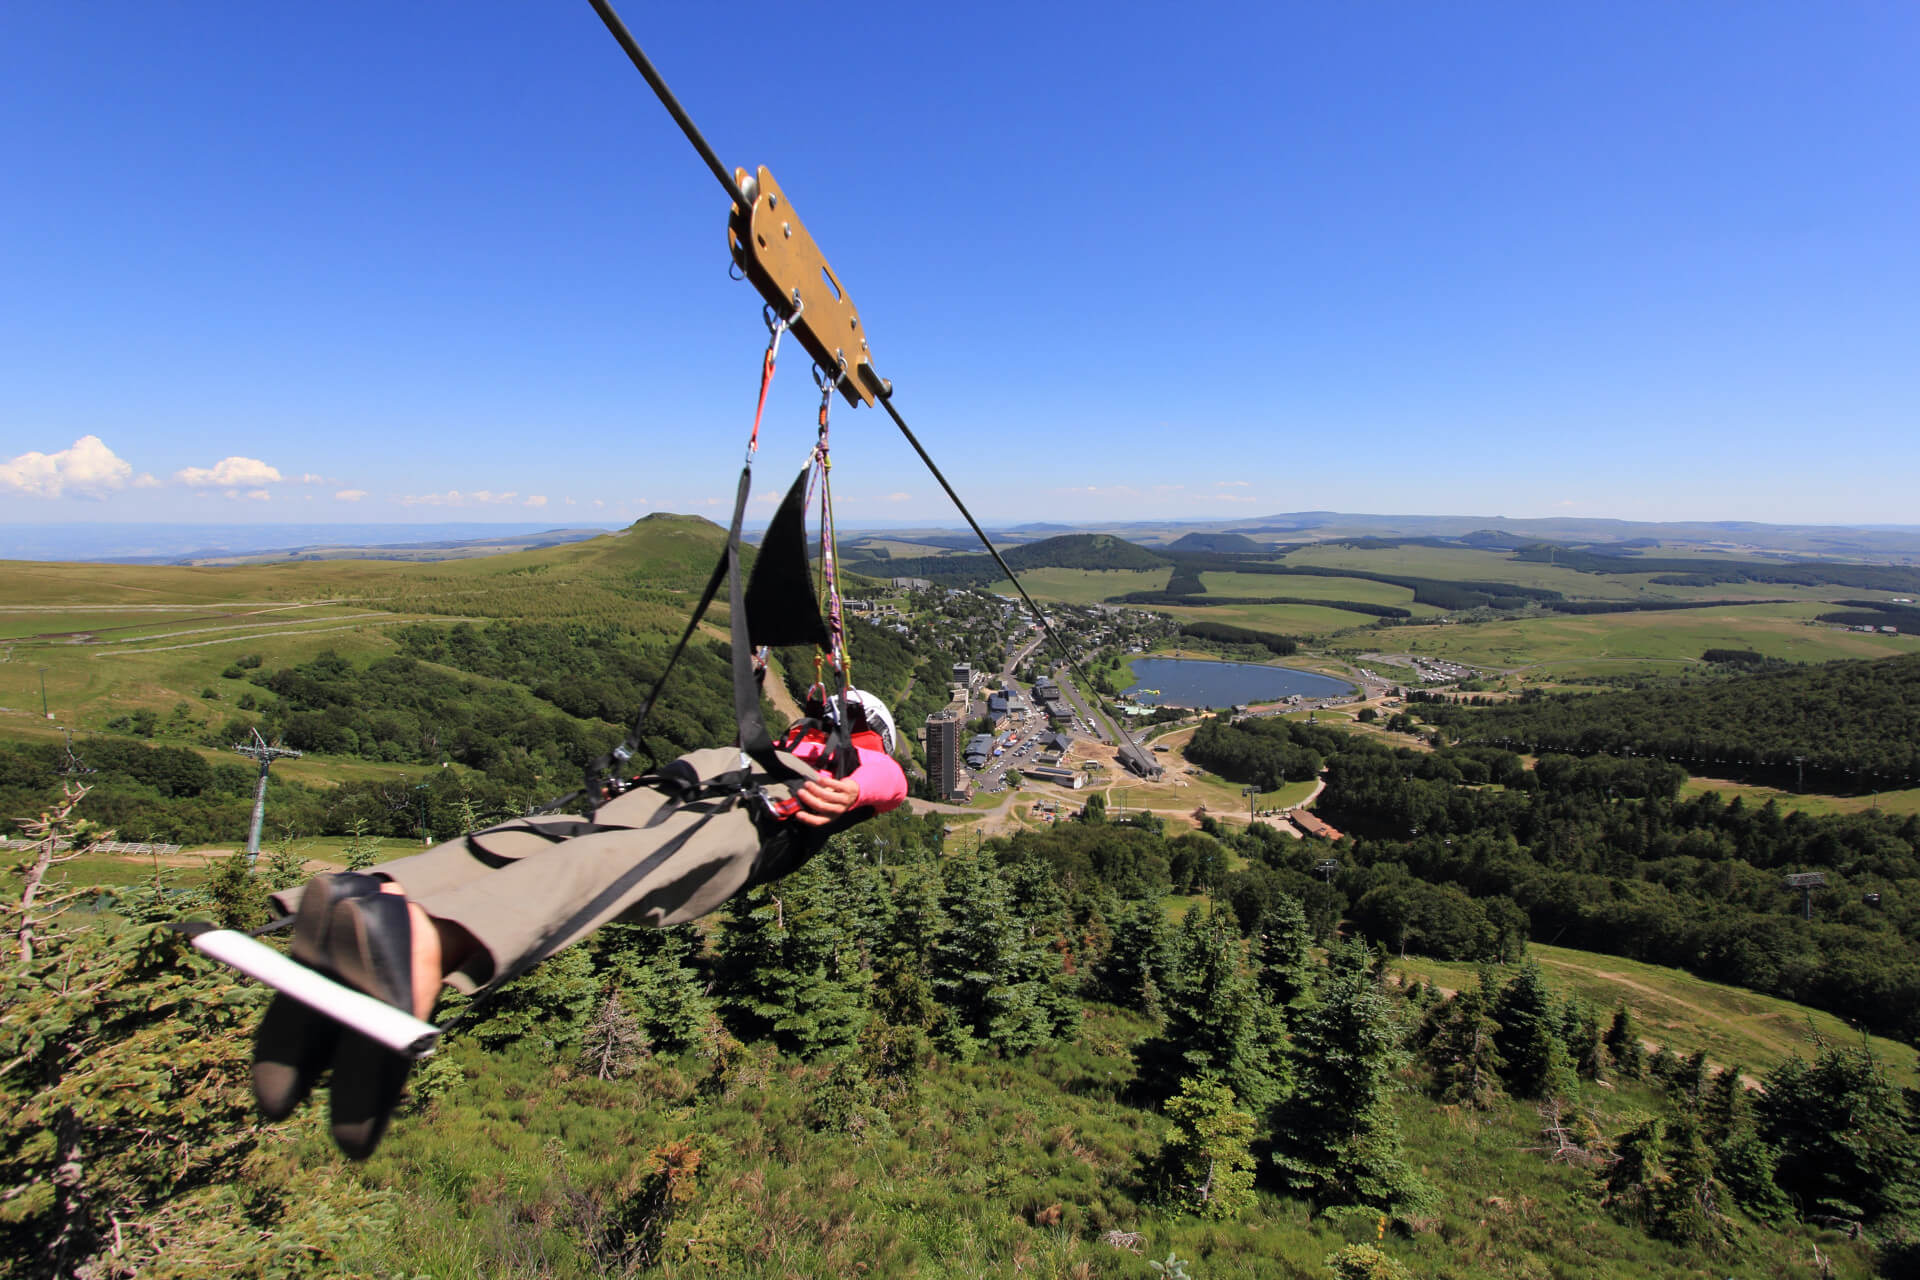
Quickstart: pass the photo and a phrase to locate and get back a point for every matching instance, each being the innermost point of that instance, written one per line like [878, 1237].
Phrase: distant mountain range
[260, 543]
[250, 544]
[1897, 543]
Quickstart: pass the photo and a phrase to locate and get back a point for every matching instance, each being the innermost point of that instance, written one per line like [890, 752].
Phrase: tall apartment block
[943, 751]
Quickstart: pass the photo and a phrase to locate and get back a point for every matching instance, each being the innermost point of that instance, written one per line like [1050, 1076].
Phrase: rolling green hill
[1092, 551]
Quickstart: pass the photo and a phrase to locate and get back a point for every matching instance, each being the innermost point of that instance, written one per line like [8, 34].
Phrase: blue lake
[1188, 682]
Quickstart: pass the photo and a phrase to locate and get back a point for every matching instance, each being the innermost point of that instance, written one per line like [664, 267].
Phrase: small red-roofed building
[1314, 826]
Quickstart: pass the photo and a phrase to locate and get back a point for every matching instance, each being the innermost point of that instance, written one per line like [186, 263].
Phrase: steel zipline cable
[644, 65]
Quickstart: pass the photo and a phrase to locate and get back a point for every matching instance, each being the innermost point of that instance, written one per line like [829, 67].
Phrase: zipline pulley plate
[773, 250]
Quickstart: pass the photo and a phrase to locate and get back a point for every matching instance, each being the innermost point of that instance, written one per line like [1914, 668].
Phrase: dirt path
[999, 820]
[1621, 979]
[781, 697]
[252, 634]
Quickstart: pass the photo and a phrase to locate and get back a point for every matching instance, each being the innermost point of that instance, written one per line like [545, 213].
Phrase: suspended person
[477, 911]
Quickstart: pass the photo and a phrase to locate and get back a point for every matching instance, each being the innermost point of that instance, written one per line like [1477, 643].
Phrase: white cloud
[86, 469]
[455, 498]
[568, 501]
[1231, 484]
[229, 473]
[146, 480]
[599, 502]
[310, 478]
[350, 495]
[899, 497]
[537, 500]
[258, 495]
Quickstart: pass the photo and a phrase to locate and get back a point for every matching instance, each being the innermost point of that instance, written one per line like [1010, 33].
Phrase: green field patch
[1895, 802]
[1317, 588]
[61, 623]
[1083, 586]
[1784, 631]
[1464, 564]
[1287, 619]
[1687, 1013]
[893, 548]
[89, 685]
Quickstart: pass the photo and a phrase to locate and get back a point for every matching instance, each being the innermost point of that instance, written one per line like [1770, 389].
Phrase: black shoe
[370, 948]
[294, 1044]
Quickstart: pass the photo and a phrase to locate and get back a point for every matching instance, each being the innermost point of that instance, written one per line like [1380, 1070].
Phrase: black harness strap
[746, 690]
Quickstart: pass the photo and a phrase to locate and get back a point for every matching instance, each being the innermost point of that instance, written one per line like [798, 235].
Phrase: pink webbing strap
[766, 384]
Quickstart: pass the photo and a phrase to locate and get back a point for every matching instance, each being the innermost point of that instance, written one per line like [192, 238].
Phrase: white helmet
[878, 718]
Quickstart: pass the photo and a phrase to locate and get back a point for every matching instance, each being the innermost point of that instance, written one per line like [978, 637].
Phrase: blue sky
[429, 261]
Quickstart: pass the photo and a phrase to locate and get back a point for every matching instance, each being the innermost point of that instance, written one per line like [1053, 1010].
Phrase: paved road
[1006, 672]
[1097, 723]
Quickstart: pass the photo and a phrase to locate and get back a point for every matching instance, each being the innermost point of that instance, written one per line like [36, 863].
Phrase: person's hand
[823, 799]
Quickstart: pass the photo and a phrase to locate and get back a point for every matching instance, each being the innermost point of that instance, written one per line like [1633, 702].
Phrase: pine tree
[1460, 1051]
[549, 1004]
[1747, 1166]
[1692, 1078]
[282, 866]
[1623, 1045]
[1580, 1032]
[1661, 1178]
[1687, 1203]
[1206, 1166]
[1725, 1109]
[1041, 905]
[1216, 1023]
[1663, 1067]
[654, 973]
[1630, 1178]
[128, 1138]
[794, 956]
[902, 980]
[987, 972]
[1334, 1140]
[238, 897]
[1136, 959]
[1529, 1038]
[1282, 952]
[1843, 1133]
[362, 851]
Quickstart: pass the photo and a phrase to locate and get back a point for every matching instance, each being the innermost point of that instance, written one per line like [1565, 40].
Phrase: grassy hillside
[115, 638]
[994, 1169]
[1619, 643]
[1685, 1013]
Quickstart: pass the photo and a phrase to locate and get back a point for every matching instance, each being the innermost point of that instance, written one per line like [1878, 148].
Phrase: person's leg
[681, 869]
[493, 903]
[454, 862]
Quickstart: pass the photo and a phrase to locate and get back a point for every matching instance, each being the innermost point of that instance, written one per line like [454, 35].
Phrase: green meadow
[1894, 802]
[1611, 643]
[1684, 1012]
[1083, 586]
[1312, 588]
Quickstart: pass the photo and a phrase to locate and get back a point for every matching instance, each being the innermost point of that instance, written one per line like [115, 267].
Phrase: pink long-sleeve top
[883, 785]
